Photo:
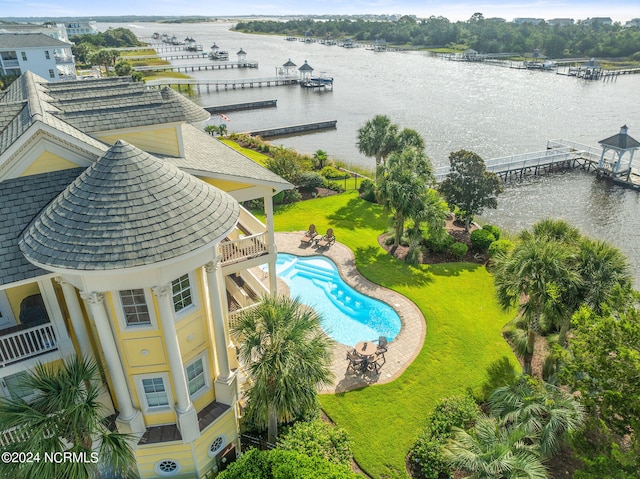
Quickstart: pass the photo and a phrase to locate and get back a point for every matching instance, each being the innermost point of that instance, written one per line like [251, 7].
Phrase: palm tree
[65, 416]
[409, 137]
[377, 138]
[287, 356]
[222, 129]
[544, 411]
[537, 276]
[211, 129]
[491, 451]
[320, 157]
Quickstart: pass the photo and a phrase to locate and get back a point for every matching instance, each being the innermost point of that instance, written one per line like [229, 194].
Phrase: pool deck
[405, 346]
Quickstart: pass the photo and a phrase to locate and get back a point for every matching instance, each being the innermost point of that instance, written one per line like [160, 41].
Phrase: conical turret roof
[128, 209]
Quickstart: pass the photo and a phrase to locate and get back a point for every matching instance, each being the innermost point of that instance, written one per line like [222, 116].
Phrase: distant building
[36, 52]
[57, 31]
[598, 20]
[81, 28]
[496, 19]
[561, 22]
[633, 23]
[533, 21]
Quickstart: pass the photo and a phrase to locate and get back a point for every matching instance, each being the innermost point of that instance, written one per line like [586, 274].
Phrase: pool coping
[405, 346]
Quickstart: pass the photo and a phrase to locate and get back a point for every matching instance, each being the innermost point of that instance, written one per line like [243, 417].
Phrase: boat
[156, 36]
[349, 43]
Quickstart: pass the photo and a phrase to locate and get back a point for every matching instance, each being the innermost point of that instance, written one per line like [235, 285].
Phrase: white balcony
[247, 247]
[26, 343]
[10, 63]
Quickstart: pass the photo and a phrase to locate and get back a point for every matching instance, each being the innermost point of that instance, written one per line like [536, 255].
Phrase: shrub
[291, 196]
[332, 173]
[367, 190]
[334, 186]
[439, 244]
[500, 373]
[310, 180]
[317, 438]
[500, 247]
[426, 455]
[494, 230]
[278, 198]
[459, 249]
[481, 239]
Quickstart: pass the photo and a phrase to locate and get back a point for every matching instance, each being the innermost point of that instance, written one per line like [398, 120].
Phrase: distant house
[561, 22]
[81, 28]
[57, 31]
[633, 23]
[598, 20]
[36, 52]
[533, 21]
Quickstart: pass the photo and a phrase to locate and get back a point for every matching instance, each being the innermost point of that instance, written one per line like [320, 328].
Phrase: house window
[167, 467]
[47, 56]
[195, 376]
[154, 392]
[14, 387]
[134, 307]
[181, 291]
[51, 74]
[24, 56]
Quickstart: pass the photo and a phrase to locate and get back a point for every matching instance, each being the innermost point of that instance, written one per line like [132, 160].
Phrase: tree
[536, 277]
[542, 410]
[222, 129]
[287, 356]
[105, 57]
[123, 68]
[408, 137]
[211, 129]
[377, 138]
[320, 157]
[402, 186]
[64, 416]
[603, 363]
[490, 451]
[469, 185]
[82, 51]
[318, 438]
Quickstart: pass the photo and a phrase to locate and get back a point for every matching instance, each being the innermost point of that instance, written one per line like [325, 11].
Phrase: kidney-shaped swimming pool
[348, 315]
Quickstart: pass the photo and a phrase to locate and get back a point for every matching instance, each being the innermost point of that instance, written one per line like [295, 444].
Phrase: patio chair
[382, 344]
[374, 364]
[327, 240]
[356, 363]
[310, 235]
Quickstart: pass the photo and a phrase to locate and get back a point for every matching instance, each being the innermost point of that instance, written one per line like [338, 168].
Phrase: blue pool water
[348, 316]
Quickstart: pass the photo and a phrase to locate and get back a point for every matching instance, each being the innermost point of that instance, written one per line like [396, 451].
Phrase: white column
[76, 317]
[213, 282]
[187, 415]
[62, 339]
[111, 356]
[271, 243]
[163, 293]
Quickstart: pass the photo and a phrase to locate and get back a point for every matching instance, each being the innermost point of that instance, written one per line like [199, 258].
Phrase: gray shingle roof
[30, 40]
[203, 153]
[128, 209]
[22, 199]
[306, 67]
[621, 141]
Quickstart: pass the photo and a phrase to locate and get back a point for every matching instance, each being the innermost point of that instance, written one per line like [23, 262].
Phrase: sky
[618, 10]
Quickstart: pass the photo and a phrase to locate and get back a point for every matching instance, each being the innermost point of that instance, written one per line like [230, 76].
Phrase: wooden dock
[559, 155]
[170, 56]
[229, 84]
[294, 129]
[196, 67]
[254, 105]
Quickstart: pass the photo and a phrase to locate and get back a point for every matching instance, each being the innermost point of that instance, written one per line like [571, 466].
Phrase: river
[491, 110]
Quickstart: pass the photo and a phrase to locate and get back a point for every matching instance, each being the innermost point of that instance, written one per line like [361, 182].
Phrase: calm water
[494, 111]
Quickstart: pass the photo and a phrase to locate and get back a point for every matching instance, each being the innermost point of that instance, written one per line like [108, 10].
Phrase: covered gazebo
[622, 148]
[305, 71]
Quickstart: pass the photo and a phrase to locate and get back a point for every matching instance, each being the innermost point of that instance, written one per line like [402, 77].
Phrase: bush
[310, 180]
[500, 247]
[500, 373]
[291, 196]
[481, 239]
[426, 455]
[334, 186]
[367, 190]
[280, 464]
[459, 250]
[494, 230]
[439, 244]
[332, 173]
[317, 438]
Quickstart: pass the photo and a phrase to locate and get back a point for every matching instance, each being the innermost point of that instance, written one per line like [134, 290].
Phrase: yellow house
[123, 238]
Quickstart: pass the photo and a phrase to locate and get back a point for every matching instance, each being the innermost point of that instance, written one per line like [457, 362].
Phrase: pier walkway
[228, 84]
[559, 155]
[196, 66]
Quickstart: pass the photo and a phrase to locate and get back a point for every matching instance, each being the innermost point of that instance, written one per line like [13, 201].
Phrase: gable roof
[128, 209]
[30, 40]
[22, 199]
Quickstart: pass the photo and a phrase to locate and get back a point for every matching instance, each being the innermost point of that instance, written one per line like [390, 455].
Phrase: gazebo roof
[289, 64]
[128, 209]
[306, 67]
[621, 141]
[241, 52]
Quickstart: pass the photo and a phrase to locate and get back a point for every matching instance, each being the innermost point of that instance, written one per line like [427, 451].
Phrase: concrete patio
[404, 347]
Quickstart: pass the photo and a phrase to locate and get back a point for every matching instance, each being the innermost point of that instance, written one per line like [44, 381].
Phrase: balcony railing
[234, 316]
[10, 63]
[242, 249]
[27, 343]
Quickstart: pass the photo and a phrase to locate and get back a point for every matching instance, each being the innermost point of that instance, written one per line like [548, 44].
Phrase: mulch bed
[455, 229]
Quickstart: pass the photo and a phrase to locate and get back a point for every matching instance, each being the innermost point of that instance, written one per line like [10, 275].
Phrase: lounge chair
[310, 235]
[327, 240]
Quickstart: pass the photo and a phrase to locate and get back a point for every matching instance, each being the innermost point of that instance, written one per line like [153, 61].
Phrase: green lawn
[463, 333]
